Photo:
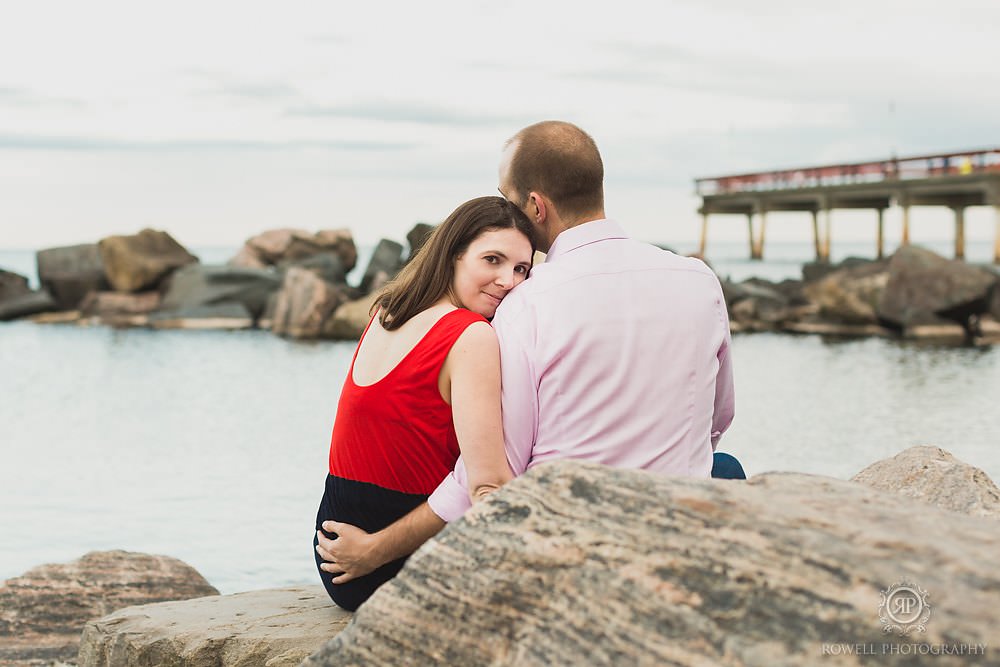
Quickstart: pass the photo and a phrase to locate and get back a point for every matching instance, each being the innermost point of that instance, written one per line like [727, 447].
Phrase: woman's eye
[521, 269]
[492, 259]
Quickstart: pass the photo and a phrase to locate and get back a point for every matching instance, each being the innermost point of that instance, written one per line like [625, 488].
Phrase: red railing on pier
[920, 167]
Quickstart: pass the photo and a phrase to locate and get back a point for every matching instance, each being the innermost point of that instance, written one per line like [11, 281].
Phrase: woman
[424, 384]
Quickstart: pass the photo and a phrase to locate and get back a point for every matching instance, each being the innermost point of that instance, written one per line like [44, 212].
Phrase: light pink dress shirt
[614, 351]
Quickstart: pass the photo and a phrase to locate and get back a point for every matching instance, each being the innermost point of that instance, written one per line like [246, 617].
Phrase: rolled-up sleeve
[451, 498]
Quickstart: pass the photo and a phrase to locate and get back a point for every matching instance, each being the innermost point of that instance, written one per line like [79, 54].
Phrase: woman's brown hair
[428, 276]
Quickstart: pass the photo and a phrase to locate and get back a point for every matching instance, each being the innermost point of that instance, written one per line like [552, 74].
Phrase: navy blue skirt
[371, 508]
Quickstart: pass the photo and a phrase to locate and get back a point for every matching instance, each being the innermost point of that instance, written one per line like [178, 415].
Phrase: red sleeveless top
[398, 433]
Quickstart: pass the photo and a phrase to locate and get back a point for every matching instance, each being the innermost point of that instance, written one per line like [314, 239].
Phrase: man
[615, 351]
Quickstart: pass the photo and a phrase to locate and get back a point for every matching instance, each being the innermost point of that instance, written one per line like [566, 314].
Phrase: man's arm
[355, 553]
[725, 392]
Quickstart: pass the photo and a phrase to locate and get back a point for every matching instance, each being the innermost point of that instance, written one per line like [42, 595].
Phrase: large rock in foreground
[935, 476]
[575, 563]
[270, 627]
[140, 261]
[43, 611]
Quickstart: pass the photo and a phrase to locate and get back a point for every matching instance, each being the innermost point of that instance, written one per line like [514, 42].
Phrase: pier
[954, 180]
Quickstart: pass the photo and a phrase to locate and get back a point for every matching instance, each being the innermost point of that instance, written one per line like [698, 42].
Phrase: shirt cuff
[450, 499]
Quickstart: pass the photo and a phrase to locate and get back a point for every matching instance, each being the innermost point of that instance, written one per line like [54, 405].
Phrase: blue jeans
[725, 466]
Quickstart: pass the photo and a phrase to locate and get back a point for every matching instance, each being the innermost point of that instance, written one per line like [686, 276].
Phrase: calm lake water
[212, 446]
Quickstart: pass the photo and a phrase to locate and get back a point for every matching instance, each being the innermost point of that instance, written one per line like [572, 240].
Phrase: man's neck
[583, 219]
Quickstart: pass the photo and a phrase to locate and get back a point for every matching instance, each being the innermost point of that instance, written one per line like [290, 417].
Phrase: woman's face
[492, 265]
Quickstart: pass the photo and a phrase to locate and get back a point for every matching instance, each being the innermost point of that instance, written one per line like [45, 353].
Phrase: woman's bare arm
[473, 376]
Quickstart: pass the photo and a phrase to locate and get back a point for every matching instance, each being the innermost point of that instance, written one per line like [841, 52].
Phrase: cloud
[97, 144]
[406, 113]
[26, 98]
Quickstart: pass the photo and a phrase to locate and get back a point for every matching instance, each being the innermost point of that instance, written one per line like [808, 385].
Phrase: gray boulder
[812, 271]
[752, 304]
[850, 295]
[12, 284]
[70, 273]
[29, 303]
[326, 265]
[385, 263]
[924, 286]
[18, 300]
[349, 320]
[140, 261]
[576, 563]
[788, 288]
[417, 236]
[197, 285]
[277, 628]
[934, 476]
[43, 611]
[303, 304]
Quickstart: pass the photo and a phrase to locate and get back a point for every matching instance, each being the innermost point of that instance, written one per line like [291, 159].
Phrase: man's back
[615, 352]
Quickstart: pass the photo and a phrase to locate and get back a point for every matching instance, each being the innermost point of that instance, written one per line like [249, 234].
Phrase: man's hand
[355, 553]
[351, 555]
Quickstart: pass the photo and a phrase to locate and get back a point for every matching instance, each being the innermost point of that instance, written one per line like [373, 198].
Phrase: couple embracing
[615, 352]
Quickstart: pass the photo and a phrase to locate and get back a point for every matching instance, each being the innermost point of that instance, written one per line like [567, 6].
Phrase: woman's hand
[482, 491]
[353, 554]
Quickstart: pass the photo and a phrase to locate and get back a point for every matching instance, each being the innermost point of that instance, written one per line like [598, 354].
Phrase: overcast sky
[216, 120]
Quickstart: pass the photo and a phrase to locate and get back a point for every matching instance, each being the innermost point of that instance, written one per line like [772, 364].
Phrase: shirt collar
[585, 234]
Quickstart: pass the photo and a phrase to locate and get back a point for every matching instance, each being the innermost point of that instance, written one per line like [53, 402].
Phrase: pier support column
[996, 243]
[703, 243]
[762, 214]
[816, 242]
[881, 234]
[906, 225]
[827, 226]
[753, 237]
[959, 232]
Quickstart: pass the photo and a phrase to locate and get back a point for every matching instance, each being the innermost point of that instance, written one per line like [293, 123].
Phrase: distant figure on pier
[614, 351]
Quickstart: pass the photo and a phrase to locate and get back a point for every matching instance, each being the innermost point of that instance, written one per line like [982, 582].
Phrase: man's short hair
[560, 161]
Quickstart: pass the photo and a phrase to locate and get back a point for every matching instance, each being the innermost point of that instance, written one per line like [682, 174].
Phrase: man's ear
[537, 208]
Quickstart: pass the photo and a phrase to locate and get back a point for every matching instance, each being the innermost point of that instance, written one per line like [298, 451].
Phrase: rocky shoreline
[293, 283]
[576, 563]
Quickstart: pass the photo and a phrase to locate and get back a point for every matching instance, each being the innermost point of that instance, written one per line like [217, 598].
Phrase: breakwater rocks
[43, 611]
[577, 563]
[913, 294]
[293, 282]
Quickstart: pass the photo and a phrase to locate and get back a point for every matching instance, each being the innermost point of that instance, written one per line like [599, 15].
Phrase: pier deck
[954, 180]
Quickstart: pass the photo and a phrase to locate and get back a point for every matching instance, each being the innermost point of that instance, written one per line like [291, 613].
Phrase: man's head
[553, 171]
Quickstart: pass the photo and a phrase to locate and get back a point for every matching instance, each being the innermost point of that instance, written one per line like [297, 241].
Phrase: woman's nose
[505, 279]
